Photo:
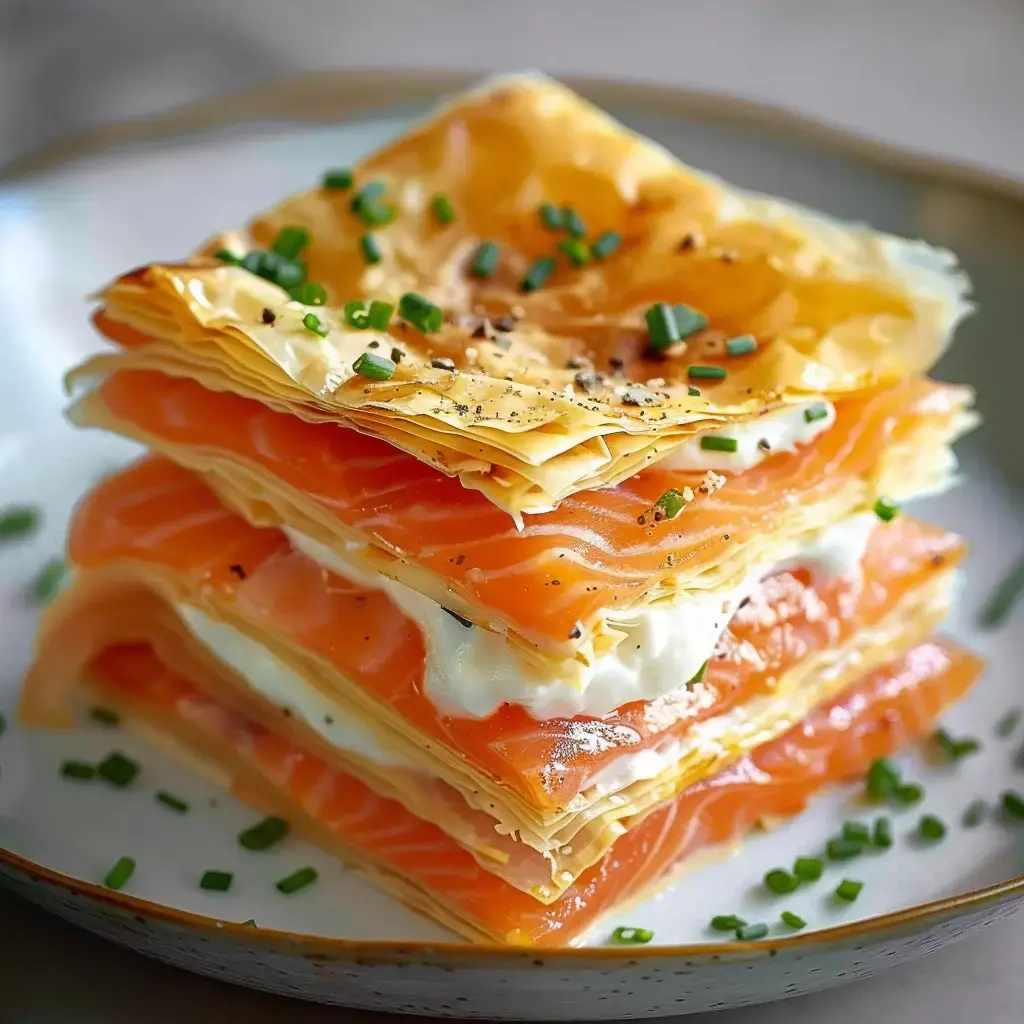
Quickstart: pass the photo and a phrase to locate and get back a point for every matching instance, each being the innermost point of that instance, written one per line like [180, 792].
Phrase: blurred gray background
[941, 76]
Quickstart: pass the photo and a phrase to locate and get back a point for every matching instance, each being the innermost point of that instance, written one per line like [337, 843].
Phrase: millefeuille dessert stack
[523, 513]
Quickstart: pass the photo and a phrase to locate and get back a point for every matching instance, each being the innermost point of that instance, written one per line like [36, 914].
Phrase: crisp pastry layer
[338, 669]
[417, 863]
[568, 396]
[563, 590]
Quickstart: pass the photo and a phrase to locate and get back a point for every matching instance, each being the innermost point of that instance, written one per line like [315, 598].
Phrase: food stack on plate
[523, 515]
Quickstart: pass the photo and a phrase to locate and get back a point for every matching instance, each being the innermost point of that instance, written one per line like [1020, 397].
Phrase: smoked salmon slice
[559, 587]
[418, 863]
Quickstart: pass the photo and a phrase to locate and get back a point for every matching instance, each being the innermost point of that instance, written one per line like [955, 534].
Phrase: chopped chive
[698, 676]
[751, 932]
[118, 875]
[310, 293]
[118, 770]
[688, 320]
[175, 803]
[813, 413]
[726, 922]
[719, 444]
[370, 248]
[78, 770]
[368, 195]
[105, 716]
[848, 890]
[356, 315]
[886, 509]
[3, 723]
[632, 936]
[693, 392]
[19, 521]
[48, 580]
[442, 209]
[662, 330]
[379, 315]
[572, 222]
[882, 834]
[606, 245]
[376, 367]
[315, 325]
[843, 849]
[780, 881]
[577, 251]
[1012, 804]
[882, 779]
[376, 215]
[742, 345]
[792, 920]
[955, 748]
[264, 834]
[706, 372]
[277, 269]
[251, 922]
[908, 793]
[540, 270]
[808, 869]
[931, 828]
[339, 178]
[297, 880]
[550, 216]
[216, 881]
[669, 505]
[290, 242]
[485, 260]
[975, 813]
[856, 832]
[1004, 598]
[420, 312]
[227, 256]
[1008, 722]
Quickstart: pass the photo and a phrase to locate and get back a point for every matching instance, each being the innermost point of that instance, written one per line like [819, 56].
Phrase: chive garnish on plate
[693, 392]
[843, 849]
[216, 881]
[662, 329]
[974, 814]
[48, 580]
[576, 250]
[290, 242]
[886, 509]
[688, 320]
[3, 723]
[726, 922]
[337, 179]
[698, 676]
[540, 270]
[379, 315]
[813, 413]
[118, 875]
[632, 936]
[420, 312]
[1004, 598]
[550, 216]
[882, 779]
[908, 793]
[573, 223]
[931, 828]
[706, 372]
[741, 345]
[669, 505]
[297, 880]
[175, 803]
[780, 881]
[370, 248]
[264, 834]
[955, 748]
[366, 197]
[355, 315]
[792, 920]
[442, 209]
[751, 932]
[856, 832]
[848, 890]
[118, 769]
[105, 716]
[80, 771]
[369, 364]
[19, 521]
[1012, 805]
[719, 444]
[315, 325]
[605, 245]
[881, 835]
[1008, 722]
[808, 869]
[485, 260]
[310, 293]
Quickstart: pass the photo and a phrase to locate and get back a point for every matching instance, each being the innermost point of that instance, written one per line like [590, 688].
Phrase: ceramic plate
[71, 226]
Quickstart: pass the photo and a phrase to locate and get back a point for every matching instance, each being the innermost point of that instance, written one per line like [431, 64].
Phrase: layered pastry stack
[524, 512]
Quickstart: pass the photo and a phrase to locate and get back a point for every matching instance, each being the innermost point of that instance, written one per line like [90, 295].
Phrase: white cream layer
[470, 671]
[780, 430]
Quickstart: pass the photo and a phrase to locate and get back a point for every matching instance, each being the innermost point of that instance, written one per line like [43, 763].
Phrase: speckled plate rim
[321, 97]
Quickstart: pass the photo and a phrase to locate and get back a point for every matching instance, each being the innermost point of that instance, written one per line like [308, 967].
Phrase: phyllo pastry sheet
[420, 865]
[559, 302]
[335, 667]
